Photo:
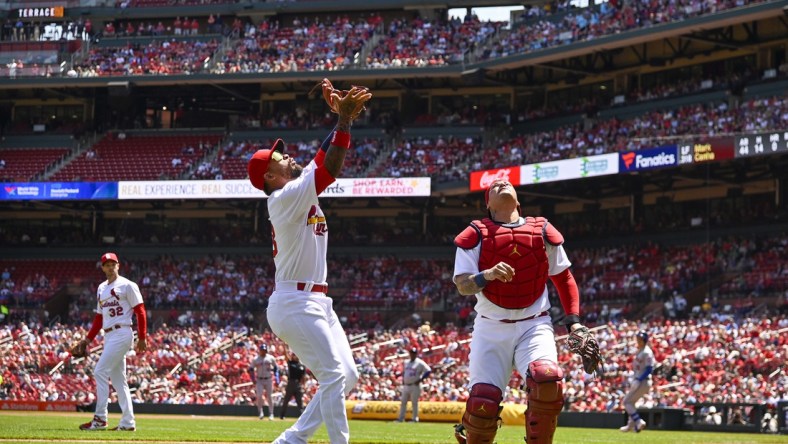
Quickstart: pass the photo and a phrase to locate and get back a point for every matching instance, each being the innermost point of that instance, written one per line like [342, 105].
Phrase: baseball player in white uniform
[117, 299]
[506, 260]
[413, 373]
[299, 310]
[640, 385]
[264, 370]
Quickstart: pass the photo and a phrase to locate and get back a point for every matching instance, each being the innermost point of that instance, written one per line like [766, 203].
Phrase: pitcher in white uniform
[640, 385]
[299, 310]
[117, 299]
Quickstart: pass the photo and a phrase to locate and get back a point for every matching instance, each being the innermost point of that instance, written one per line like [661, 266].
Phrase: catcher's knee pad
[480, 420]
[545, 387]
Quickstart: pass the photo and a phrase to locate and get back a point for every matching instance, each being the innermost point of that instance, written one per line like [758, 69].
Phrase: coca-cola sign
[481, 180]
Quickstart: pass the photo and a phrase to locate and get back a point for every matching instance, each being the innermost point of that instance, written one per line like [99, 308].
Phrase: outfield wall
[451, 412]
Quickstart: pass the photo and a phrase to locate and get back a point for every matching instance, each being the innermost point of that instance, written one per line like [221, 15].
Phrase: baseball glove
[583, 343]
[80, 350]
[331, 94]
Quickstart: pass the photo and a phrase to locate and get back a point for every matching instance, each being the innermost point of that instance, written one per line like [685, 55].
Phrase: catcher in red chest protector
[505, 260]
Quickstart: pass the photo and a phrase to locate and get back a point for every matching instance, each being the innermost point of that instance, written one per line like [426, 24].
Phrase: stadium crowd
[613, 281]
[337, 42]
[711, 357]
[541, 32]
[310, 44]
[450, 158]
[655, 128]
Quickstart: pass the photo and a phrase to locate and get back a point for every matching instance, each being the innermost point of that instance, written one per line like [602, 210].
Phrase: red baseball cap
[109, 257]
[258, 164]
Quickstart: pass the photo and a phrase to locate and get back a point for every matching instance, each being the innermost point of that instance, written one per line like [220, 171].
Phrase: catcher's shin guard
[480, 420]
[545, 387]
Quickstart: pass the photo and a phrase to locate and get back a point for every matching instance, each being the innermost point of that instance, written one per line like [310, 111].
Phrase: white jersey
[644, 358]
[264, 366]
[299, 230]
[467, 261]
[413, 371]
[116, 301]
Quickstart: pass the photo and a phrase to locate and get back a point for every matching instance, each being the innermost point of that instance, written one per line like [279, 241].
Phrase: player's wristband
[341, 139]
[480, 281]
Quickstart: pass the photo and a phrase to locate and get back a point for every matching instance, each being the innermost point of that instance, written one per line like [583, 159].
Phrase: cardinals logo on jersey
[114, 295]
[315, 217]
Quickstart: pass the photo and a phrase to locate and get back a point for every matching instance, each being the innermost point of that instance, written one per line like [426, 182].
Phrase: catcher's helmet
[642, 335]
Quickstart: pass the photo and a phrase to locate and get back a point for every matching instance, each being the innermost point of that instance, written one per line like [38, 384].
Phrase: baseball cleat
[123, 429]
[95, 424]
[626, 428]
[640, 425]
[271, 417]
[459, 434]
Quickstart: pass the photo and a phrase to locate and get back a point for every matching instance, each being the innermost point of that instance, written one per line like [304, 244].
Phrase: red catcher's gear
[545, 387]
[522, 247]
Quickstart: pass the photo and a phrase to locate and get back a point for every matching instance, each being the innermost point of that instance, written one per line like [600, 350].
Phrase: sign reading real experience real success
[242, 189]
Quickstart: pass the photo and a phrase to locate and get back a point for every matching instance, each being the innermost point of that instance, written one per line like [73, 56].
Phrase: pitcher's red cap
[109, 257]
[258, 164]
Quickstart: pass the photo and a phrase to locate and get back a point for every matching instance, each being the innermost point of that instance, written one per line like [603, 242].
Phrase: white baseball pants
[112, 365]
[409, 393]
[637, 390]
[308, 324]
[265, 394]
[497, 346]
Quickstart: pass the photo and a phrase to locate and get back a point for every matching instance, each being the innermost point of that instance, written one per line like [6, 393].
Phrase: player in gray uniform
[642, 367]
[264, 370]
[413, 373]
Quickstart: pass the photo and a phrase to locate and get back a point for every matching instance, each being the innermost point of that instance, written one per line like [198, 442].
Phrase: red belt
[317, 288]
[512, 321]
[115, 327]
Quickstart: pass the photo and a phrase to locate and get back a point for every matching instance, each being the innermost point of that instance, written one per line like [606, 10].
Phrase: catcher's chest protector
[523, 248]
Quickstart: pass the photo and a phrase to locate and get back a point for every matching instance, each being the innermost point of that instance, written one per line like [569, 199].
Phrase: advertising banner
[481, 180]
[649, 159]
[759, 144]
[429, 411]
[569, 169]
[242, 189]
[711, 150]
[59, 191]
[56, 406]
[566, 169]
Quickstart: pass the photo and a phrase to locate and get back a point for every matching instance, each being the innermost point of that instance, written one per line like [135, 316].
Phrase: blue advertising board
[59, 191]
[648, 159]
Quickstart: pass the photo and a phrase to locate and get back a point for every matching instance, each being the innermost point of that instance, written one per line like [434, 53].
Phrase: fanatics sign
[648, 159]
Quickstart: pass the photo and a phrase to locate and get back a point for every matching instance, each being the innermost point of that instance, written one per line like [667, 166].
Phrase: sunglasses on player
[276, 156]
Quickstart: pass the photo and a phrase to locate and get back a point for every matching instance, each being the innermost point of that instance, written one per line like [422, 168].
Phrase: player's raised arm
[348, 106]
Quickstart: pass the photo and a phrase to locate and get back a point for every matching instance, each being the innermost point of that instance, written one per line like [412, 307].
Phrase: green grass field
[29, 427]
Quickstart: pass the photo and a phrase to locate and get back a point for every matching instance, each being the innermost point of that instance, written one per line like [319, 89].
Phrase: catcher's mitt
[330, 94]
[582, 342]
[79, 350]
